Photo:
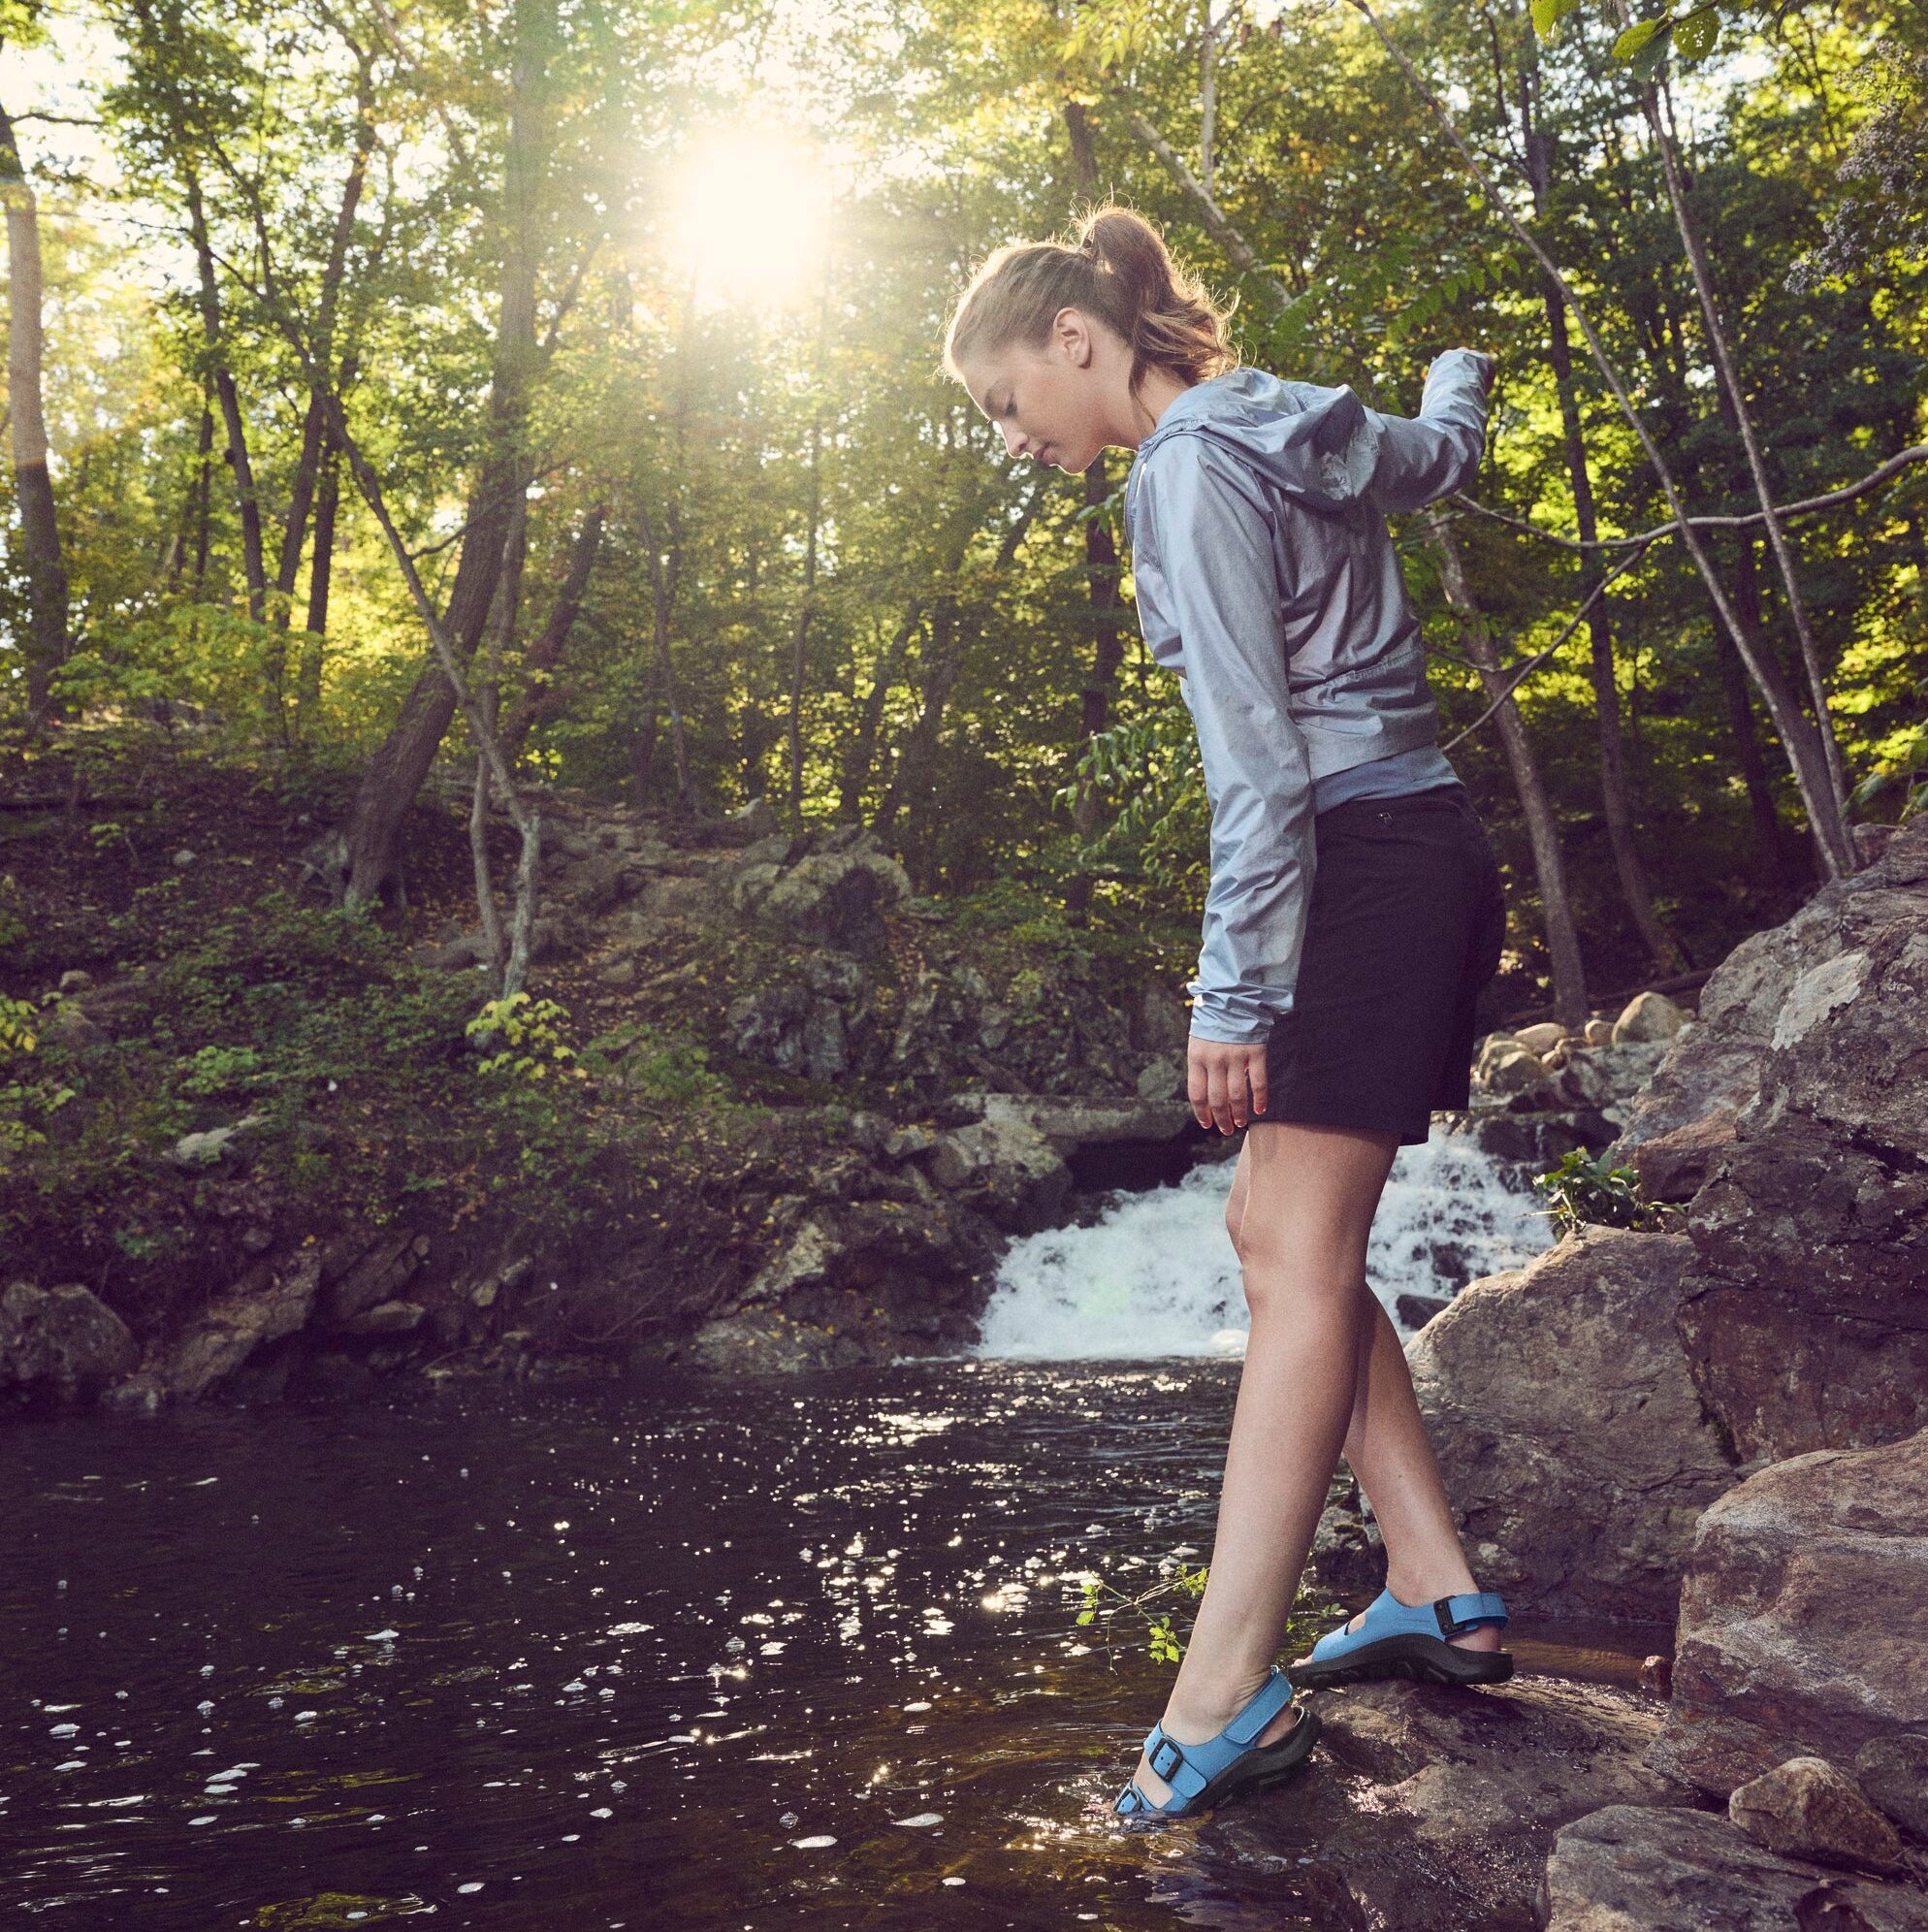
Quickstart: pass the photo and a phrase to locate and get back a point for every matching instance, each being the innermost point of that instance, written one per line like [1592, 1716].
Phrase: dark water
[531, 1659]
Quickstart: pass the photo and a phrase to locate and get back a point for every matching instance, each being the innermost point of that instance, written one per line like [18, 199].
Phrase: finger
[1197, 1088]
[1239, 1088]
[1221, 1094]
[1256, 1070]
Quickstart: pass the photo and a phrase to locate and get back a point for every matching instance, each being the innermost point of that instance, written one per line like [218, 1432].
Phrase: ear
[1071, 335]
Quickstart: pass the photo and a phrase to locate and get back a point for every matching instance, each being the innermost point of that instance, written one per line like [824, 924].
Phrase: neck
[1143, 408]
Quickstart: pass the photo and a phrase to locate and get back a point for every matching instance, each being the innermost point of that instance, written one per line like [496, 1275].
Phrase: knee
[1282, 1268]
[1234, 1221]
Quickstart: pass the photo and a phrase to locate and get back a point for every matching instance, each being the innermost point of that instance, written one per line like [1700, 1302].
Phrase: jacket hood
[1313, 443]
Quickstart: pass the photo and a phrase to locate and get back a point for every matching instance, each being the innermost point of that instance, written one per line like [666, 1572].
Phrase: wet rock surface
[1430, 1808]
[1573, 1443]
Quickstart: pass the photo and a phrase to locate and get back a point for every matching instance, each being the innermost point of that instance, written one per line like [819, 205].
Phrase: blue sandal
[1208, 1773]
[1395, 1639]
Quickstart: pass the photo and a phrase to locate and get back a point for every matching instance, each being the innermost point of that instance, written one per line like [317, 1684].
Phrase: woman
[1354, 913]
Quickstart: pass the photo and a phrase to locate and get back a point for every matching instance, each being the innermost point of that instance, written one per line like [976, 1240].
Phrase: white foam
[1156, 1276]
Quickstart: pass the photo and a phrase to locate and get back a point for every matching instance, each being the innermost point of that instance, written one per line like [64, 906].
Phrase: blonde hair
[1115, 267]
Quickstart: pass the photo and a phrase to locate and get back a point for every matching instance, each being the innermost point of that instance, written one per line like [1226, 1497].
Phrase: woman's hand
[1217, 1078]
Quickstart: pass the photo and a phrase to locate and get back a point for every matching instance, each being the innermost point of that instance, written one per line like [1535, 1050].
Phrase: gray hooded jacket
[1264, 570]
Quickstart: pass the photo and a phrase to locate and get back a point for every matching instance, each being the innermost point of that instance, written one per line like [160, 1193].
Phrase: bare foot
[1194, 1726]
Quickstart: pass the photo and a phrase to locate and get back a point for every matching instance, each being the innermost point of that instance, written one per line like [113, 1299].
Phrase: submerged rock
[1804, 1619]
[1568, 1430]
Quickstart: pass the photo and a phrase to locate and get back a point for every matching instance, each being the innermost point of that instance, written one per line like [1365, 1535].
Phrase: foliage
[534, 1036]
[1584, 1191]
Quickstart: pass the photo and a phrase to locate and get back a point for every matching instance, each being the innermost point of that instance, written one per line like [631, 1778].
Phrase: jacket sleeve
[1212, 583]
[1404, 462]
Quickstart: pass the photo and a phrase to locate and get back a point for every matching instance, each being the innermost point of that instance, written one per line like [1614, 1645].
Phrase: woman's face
[1054, 402]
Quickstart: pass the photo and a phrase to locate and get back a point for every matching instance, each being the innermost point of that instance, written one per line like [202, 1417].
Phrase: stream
[680, 1652]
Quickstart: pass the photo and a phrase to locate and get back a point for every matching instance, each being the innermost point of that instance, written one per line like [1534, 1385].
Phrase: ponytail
[1116, 268]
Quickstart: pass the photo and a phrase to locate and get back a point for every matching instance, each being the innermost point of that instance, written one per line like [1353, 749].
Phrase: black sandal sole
[1261, 1770]
[1418, 1659]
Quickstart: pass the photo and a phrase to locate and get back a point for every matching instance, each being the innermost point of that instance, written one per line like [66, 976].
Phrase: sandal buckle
[1449, 1625]
[1170, 1764]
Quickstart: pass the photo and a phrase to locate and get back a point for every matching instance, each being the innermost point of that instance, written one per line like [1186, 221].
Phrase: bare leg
[1309, 1194]
[1389, 1452]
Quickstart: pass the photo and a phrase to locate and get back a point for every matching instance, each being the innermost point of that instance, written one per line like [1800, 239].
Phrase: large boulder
[61, 1341]
[1638, 1868]
[1804, 1618]
[1568, 1430]
[1801, 1093]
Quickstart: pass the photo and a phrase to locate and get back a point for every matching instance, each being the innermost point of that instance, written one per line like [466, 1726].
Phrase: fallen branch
[1847, 494]
[1539, 658]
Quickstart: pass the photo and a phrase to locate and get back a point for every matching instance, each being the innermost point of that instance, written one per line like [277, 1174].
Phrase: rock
[1005, 1168]
[1568, 1430]
[1070, 1124]
[362, 1270]
[65, 1340]
[386, 1318]
[196, 1151]
[1892, 1769]
[1648, 1018]
[757, 819]
[1492, 1050]
[837, 898]
[75, 980]
[769, 1342]
[1634, 1868]
[183, 857]
[1541, 1039]
[1434, 1811]
[69, 1026]
[905, 1143]
[1675, 1166]
[1717, 1063]
[1807, 1809]
[1348, 1555]
[1598, 1032]
[1414, 1312]
[1163, 1079]
[1520, 1074]
[1606, 1075]
[272, 1299]
[1804, 1617]
[1806, 1326]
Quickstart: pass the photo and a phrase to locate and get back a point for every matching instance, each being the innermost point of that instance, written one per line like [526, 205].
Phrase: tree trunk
[661, 595]
[1831, 829]
[40, 530]
[870, 719]
[396, 771]
[1616, 794]
[1569, 978]
[249, 503]
[539, 695]
[1771, 854]
[314, 429]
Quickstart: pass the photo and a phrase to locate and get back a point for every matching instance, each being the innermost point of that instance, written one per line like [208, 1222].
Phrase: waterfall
[1156, 1276]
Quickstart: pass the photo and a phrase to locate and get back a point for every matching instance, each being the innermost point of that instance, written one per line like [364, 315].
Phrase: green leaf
[1695, 35]
[1548, 13]
[1636, 37]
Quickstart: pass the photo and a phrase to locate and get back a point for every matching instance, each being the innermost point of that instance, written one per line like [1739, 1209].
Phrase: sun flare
[751, 211]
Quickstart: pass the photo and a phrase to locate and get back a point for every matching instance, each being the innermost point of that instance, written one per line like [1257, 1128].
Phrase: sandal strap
[1470, 1611]
[1188, 1768]
[1387, 1617]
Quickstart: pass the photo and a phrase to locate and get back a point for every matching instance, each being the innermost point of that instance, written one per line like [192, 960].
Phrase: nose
[1014, 442]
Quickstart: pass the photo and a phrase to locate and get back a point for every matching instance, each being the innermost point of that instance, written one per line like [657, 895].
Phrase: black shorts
[1404, 928]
